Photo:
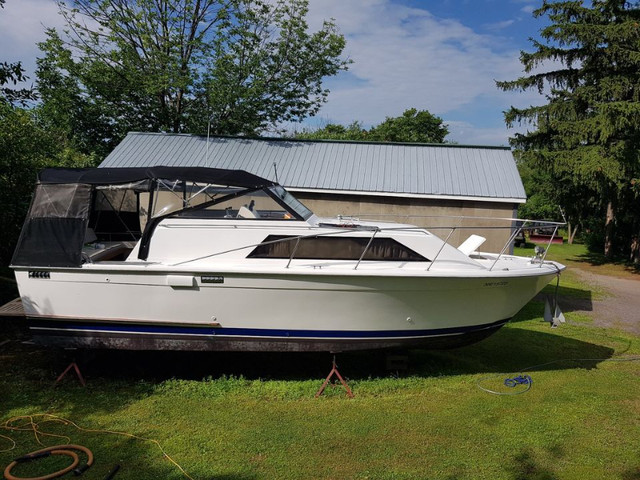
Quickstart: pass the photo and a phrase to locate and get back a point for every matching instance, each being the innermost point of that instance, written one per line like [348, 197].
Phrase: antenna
[208, 134]
[275, 169]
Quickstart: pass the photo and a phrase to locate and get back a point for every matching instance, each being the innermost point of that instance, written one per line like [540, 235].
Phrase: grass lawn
[250, 416]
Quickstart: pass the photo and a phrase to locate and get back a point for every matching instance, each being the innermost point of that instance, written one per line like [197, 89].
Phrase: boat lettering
[39, 274]
[212, 279]
[496, 284]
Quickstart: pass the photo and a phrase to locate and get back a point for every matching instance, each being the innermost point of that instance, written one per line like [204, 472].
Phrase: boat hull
[231, 311]
[101, 335]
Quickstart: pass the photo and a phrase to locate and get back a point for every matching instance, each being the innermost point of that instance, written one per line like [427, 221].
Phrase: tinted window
[335, 248]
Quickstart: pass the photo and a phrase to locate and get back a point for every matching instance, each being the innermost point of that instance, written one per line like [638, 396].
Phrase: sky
[442, 56]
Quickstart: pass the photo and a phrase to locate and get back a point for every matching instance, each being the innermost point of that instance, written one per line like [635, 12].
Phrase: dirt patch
[619, 309]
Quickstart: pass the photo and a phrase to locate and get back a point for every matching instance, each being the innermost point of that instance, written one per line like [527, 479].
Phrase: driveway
[619, 309]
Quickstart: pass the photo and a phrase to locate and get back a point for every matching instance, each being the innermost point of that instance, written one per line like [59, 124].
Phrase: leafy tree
[412, 126]
[419, 126]
[13, 73]
[587, 135]
[334, 131]
[22, 153]
[550, 196]
[26, 146]
[238, 66]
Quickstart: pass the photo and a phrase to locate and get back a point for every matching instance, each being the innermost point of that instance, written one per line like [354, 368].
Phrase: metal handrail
[470, 217]
[366, 248]
[511, 239]
[293, 252]
[548, 245]
[445, 242]
[347, 229]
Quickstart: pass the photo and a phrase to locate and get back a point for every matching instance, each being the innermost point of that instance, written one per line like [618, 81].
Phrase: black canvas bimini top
[111, 176]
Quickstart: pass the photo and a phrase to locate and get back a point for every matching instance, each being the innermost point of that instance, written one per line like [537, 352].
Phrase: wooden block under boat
[12, 309]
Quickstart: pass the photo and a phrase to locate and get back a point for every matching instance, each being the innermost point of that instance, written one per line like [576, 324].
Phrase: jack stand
[335, 371]
[73, 365]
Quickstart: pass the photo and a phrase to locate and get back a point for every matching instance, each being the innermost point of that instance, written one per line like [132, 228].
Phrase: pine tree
[587, 64]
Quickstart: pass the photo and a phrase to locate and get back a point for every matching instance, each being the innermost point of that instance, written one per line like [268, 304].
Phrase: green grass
[571, 284]
[255, 416]
[577, 255]
[233, 416]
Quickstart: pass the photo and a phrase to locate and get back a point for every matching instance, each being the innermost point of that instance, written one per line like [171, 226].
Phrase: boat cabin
[93, 215]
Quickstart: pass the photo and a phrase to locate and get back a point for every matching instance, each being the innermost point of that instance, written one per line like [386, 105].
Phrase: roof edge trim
[408, 195]
[307, 140]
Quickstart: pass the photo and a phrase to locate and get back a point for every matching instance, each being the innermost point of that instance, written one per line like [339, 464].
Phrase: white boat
[211, 259]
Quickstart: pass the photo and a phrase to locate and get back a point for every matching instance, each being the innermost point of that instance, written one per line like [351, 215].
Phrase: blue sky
[442, 56]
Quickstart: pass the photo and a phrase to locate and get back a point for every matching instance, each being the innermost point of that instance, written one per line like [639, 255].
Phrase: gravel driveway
[619, 309]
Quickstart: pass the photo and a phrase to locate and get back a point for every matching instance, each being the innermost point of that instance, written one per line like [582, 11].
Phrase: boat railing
[521, 225]
[533, 224]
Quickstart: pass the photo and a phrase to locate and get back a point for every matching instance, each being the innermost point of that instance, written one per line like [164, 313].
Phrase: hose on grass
[28, 423]
[66, 450]
[528, 382]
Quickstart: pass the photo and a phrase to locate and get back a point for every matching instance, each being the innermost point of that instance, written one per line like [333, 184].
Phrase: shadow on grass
[115, 383]
[136, 372]
[525, 467]
[570, 299]
[598, 259]
[632, 474]
[138, 460]
[119, 379]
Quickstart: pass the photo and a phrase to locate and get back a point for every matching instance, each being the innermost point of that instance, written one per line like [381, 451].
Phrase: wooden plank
[12, 309]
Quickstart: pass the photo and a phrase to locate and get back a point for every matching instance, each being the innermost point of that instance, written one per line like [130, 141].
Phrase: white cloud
[405, 57]
[465, 133]
[528, 9]
[498, 25]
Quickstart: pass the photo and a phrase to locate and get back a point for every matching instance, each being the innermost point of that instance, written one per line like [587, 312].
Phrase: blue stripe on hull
[40, 324]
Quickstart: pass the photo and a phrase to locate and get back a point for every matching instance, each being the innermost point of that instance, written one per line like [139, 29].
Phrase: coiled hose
[67, 450]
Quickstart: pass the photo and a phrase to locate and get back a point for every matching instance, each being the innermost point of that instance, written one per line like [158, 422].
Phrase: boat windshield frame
[295, 208]
[289, 202]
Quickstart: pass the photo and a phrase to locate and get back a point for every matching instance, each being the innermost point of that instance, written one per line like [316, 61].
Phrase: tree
[588, 133]
[550, 197]
[26, 146]
[417, 126]
[334, 131]
[238, 66]
[13, 73]
[412, 126]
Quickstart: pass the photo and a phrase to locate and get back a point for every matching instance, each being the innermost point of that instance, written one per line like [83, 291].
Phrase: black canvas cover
[50, 242]
[53, 232]
[110, 176]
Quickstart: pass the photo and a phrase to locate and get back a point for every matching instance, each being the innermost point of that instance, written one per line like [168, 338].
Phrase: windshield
[291, 202]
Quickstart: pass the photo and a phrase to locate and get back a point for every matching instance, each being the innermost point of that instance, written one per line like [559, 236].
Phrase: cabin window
[335, 248]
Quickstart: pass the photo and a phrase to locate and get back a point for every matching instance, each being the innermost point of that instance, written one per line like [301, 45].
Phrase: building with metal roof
[410, 183]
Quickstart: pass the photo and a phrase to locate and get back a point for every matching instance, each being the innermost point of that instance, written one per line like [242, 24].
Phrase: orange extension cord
[67, 450]
[27, 423]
